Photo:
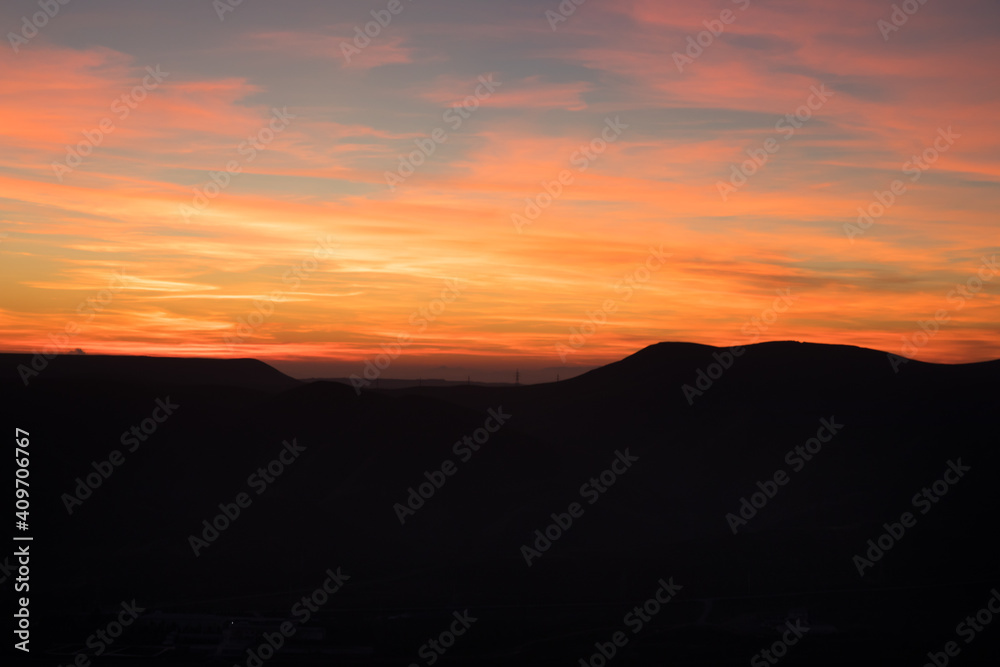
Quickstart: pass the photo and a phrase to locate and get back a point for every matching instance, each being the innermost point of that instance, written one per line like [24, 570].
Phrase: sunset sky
[341, 262]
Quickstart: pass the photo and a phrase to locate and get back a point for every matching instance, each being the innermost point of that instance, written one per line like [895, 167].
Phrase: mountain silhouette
[140, 370]
[682, 463]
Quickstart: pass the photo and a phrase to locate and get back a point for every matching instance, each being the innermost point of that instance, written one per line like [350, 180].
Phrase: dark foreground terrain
[213, 506]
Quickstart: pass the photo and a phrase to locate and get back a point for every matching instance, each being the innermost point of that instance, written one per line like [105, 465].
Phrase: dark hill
[666, 516]
[149, 371]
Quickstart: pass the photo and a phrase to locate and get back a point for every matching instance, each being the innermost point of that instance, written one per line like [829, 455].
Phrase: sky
[469, 187]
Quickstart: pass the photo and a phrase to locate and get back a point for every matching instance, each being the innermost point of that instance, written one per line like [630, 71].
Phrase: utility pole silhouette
[517, 377]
